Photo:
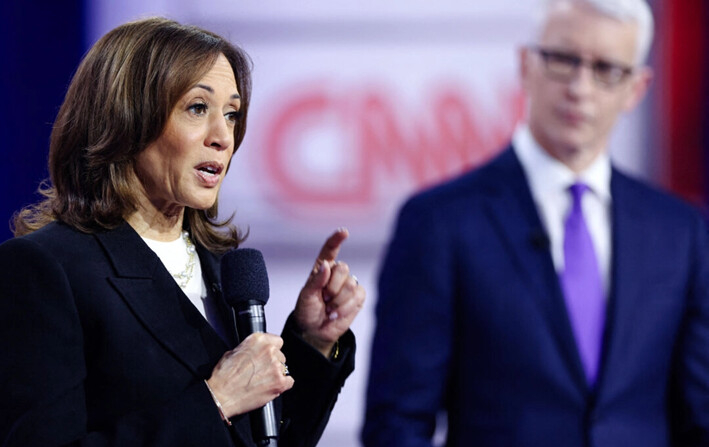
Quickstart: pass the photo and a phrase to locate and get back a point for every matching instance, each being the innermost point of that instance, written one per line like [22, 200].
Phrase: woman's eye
[198, 108]
[232, 117]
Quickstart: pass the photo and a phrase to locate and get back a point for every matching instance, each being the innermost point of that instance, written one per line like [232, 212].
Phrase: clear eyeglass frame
[564, 65]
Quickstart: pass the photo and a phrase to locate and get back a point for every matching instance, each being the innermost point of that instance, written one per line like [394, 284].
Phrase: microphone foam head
[244, 276]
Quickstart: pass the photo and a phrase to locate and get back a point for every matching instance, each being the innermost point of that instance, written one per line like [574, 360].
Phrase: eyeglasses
[563, 66]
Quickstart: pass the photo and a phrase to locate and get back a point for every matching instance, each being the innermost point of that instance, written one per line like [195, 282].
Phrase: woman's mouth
[209, 173]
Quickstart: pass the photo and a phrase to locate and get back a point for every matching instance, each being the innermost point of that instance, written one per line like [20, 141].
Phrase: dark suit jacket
[100, 347]
[471, 320]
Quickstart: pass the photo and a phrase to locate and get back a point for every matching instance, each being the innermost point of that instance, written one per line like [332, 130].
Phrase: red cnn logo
[326, 153]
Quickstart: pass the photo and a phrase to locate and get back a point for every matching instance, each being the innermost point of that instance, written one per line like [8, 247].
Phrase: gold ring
[285, 369]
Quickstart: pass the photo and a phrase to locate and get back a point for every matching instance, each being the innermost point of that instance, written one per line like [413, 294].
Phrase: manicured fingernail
[333, 316]
[318, 267]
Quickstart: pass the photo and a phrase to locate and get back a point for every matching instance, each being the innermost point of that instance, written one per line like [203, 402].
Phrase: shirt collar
[548, 175]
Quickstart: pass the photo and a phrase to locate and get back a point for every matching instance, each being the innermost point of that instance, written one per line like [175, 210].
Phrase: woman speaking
[113, 324]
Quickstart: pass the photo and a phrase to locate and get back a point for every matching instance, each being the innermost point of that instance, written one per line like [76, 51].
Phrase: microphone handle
[249, 319]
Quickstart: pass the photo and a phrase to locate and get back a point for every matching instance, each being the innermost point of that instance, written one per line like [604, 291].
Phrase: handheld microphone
[245, 286]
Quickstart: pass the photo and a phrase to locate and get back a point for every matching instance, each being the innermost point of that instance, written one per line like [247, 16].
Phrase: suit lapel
[223, 315]
[513, 210]
[630, 233]
[158, 302]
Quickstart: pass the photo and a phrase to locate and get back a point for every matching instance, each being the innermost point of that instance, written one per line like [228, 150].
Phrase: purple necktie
[582, 286]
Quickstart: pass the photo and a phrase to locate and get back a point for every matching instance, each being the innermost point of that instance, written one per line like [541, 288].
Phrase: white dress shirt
[549, 180]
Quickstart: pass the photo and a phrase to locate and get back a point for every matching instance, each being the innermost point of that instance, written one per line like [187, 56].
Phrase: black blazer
[102, 348]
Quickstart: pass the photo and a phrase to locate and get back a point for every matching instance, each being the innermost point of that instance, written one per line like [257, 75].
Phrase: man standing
[547, 299]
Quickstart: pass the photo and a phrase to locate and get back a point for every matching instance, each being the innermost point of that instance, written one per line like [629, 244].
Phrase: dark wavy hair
[117, 104]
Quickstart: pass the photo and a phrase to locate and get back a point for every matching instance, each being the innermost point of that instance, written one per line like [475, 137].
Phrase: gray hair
[637, 11]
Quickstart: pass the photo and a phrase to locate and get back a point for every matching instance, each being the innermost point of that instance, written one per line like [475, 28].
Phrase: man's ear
[523, 57]
[638, 88]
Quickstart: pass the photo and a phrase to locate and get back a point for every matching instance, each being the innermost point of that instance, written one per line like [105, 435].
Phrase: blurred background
[356, 106]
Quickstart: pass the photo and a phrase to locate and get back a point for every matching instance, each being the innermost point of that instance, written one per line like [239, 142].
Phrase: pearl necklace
[184, 277]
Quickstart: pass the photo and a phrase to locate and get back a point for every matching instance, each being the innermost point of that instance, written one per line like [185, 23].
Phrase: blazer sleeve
[44, 368]
[413, 339]
[318, 381]
[690, 399]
